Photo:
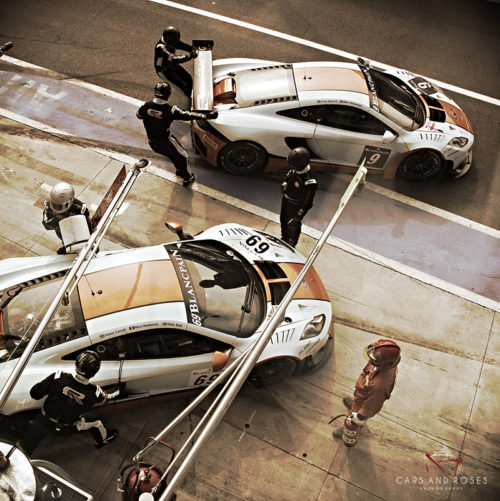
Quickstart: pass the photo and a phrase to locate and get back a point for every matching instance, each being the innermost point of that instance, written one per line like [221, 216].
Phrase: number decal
[203, 377]
[374, 157]
[259, 248]
[423, 85]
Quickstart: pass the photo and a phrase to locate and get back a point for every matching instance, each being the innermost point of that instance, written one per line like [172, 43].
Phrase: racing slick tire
[242, 157]
[272, 371]
[420, 165]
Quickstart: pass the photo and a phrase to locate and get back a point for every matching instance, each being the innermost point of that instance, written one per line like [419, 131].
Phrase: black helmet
[171, 35]
[163, 90]
[87, 364]
[299, 157]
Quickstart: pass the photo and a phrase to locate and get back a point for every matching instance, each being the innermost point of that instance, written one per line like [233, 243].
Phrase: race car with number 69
[165, 318]
[398, 122]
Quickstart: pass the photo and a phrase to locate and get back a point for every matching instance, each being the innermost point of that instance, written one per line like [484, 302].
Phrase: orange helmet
[384, 353]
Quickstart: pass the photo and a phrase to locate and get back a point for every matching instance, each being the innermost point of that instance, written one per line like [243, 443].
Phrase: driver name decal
[188, 292]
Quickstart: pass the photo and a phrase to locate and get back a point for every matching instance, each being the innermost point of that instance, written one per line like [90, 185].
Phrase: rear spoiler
[203, 94]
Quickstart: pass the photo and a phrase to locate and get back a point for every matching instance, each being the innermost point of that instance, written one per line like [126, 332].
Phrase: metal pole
[260, 343]
[80, 263]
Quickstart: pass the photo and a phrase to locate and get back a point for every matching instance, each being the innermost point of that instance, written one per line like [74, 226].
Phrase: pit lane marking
[314, 45]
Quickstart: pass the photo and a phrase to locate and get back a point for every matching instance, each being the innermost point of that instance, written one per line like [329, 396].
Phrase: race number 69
[258, 246]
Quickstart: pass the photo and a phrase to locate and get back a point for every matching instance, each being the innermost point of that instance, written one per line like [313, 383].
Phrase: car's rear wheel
[242, 157]
[420, 165]
[272, 371]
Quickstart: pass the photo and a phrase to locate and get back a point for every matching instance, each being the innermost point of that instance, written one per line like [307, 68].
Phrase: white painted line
[115, 95]
[454, 218]
[314, 45]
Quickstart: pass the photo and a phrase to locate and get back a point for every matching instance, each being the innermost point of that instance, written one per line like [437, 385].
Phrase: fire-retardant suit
[157, 116]
[60, 205]
[373, 387]
[68, 397]
[298, 189]
[167, 63]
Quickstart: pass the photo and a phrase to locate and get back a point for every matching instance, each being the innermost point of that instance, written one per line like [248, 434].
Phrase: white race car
[160, 316]
[343, 113]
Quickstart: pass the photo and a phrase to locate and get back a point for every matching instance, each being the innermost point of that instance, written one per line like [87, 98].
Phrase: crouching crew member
[157, 116]
[373, 388]
[68, 397]
[60, 205]
[298, 188]
[167, 63]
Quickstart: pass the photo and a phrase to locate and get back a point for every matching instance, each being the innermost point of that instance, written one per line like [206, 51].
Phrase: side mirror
[177, 229]
[219, 361]
[388, 137]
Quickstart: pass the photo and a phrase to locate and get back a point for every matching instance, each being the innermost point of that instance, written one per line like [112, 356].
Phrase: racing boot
[111, 435]
[188, 180]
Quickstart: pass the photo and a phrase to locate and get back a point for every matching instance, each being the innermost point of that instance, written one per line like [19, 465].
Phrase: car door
[345, 135]
[168, 360]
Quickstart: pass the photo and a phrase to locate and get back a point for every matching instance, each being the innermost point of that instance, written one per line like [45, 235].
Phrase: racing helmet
[384, 353]
[171, 35]
[163, 90]
[87, 364]
[299, 157]
[61, 197]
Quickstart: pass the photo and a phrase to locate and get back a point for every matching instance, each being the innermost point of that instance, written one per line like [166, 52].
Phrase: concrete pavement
[275, 443]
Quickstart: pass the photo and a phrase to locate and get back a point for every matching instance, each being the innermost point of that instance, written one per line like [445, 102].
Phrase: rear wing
[203, 94]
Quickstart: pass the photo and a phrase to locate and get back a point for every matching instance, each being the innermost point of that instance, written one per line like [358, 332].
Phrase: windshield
[221, 291]
[24, 312]
[397, 102]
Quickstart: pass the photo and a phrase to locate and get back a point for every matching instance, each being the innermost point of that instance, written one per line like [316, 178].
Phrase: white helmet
[61, 197]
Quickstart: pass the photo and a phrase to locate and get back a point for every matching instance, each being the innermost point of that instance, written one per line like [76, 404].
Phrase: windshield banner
[372, 90]
[189, 294]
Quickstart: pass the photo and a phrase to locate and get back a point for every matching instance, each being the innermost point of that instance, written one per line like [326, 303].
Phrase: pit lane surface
[371, 471]
[111, 44]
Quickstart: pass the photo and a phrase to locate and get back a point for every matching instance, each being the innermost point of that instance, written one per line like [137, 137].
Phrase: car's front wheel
[272, 371]
[242, 157]
[420, 165]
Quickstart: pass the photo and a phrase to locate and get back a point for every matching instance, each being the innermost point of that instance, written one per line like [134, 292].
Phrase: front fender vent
[274, 100]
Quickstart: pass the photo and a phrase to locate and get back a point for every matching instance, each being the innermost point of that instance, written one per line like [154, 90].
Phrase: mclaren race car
[343, 113]
[162, 317]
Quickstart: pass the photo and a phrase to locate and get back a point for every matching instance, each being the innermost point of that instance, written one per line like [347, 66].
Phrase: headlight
[459, 141]
[314, 327]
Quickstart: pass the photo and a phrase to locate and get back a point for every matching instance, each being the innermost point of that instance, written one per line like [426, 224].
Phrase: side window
[109, 349]
[310, 114]
[170, 343]
[352, 119]
[158, 343]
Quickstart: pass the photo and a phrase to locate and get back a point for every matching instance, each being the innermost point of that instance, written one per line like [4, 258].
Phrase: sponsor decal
[73, 394]
[309, 348]
[372, 90]
[441, 475]
[188, 292]
[374, 157]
